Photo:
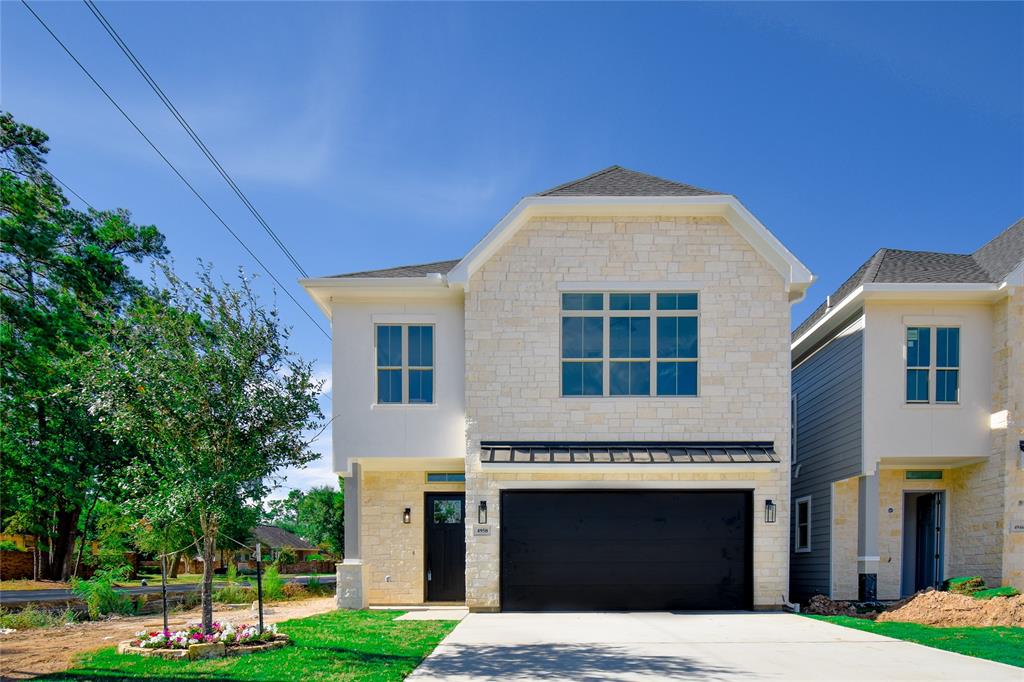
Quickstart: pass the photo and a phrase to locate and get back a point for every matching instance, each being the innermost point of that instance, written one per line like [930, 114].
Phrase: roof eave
[324, 290]
[895, 291]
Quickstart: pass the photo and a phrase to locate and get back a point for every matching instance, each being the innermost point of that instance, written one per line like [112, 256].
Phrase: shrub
[1005, 591]
[10, 546]
[294, 591]
[273, 584]
[315, 557]
[234, 594]
[965, 584]
[285, 557]
[32, 617]
[315, 588]
[99, 594]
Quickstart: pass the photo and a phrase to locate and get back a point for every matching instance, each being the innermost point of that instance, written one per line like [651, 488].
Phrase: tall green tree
[63, 275]
[200, 380]
[316, 515]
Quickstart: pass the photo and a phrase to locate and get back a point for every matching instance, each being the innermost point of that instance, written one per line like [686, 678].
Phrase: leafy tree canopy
[63, 275]
[199, 377]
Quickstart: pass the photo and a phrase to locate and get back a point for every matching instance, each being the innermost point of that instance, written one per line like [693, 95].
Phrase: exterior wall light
[769, 511]
[481, 512]
[407, 515]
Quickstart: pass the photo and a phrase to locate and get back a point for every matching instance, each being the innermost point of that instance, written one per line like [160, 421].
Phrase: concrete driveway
[659, 646]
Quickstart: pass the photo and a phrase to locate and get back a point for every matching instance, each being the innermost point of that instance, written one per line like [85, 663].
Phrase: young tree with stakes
[200, 378]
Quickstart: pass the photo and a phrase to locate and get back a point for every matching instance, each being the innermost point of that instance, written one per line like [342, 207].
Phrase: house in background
[587, 411]
[908, 427]
[274, 539]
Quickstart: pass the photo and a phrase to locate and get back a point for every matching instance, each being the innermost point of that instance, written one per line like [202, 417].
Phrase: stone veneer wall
[513, 371]
[390, 547]
[845, 505]
[1008, 394]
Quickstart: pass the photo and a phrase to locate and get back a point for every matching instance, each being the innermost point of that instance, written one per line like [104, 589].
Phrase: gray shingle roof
[276, 537]
[616, 181]
[989, 264]
[1004, 253]
[440, 267]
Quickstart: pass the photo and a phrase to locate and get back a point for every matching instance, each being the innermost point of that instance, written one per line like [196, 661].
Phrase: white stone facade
[513, 370]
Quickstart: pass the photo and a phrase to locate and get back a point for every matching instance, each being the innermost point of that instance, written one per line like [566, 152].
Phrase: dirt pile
[947, 609]
[820, 605]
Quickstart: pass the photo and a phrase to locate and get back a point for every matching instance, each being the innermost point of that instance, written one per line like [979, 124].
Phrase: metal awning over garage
[727, 452]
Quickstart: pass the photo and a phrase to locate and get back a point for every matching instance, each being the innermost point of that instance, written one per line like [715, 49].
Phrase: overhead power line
[174, 168]
[65, 185]
[116, 37]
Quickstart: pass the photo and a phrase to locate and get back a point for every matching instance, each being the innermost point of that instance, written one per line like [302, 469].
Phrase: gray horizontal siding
[828, 387]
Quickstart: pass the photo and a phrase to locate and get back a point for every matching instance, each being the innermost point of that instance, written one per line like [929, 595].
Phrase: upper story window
[405, 363]
[933, 364]
[619, 344]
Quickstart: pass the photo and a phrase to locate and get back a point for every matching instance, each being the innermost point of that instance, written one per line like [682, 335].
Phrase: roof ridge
[874, 265]
[585, 177]
[997, 235]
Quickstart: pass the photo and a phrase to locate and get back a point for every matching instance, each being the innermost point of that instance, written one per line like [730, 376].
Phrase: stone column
[867, 539]
[350, 590]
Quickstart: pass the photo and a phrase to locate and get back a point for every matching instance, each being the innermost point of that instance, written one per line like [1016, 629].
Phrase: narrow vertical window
[629, 346]
[389, 363]
[794, 411]
[802, 519]
[677, 355]
[947, 365]
[583, 344]
[918, 363]
[421, 364]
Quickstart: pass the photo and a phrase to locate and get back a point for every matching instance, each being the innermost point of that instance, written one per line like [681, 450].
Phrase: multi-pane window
[802, 533]
[619, 344]
[926, 360]
[405, 363]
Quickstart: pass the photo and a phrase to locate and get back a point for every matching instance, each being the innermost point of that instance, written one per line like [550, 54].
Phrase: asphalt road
[29, 596]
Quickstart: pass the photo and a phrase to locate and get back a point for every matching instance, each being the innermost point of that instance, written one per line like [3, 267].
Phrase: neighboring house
[590, 410]
[908, 399]
[274, 539]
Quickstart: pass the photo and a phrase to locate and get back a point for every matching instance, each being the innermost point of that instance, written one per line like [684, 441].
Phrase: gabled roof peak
[616, 181]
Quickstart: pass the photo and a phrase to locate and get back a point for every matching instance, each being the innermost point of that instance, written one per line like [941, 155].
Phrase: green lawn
[1005, 645]
[341, 645]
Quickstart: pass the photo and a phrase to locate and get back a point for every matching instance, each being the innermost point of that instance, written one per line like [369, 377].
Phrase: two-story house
[589, 410]
[908, 427]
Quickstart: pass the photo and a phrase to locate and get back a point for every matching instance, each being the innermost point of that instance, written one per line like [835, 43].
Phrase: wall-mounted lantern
[481, 512]
[769, 511]
[407, 515]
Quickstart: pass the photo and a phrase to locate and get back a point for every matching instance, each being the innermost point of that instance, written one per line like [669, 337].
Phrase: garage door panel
[635, 550]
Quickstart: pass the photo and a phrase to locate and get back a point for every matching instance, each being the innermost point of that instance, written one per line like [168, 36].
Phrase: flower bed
[192, 643]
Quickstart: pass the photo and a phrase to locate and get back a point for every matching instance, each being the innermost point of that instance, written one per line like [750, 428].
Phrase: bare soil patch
[931, 607]
[948, 609]
[30, 653]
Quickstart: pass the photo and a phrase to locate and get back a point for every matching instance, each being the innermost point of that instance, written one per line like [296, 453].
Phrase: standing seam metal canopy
[718, 452]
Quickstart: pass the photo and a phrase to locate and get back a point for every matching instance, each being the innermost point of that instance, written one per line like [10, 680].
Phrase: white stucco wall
[898, 430]
[362, 428]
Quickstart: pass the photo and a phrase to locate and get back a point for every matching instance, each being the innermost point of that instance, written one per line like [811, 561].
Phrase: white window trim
[606, 359]
[796, 524]
[933, 369]
[404, 325]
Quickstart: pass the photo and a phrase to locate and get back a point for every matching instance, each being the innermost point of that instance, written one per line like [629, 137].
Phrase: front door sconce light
[407, 515]
[769, 511]
[481, 512]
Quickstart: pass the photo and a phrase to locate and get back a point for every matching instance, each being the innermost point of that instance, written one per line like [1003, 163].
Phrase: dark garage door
[625, 550]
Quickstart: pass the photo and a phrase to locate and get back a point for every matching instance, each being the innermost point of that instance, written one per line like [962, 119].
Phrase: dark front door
[928, 541]
[446, 547]
[626, 550]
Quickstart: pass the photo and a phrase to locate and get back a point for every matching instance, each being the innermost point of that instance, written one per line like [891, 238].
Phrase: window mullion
[405, 363]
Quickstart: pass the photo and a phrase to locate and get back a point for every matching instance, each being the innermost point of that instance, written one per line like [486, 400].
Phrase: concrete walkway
[659, 646]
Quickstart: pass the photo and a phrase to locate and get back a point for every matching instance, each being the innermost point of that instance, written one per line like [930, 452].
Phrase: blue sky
[371, 135]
